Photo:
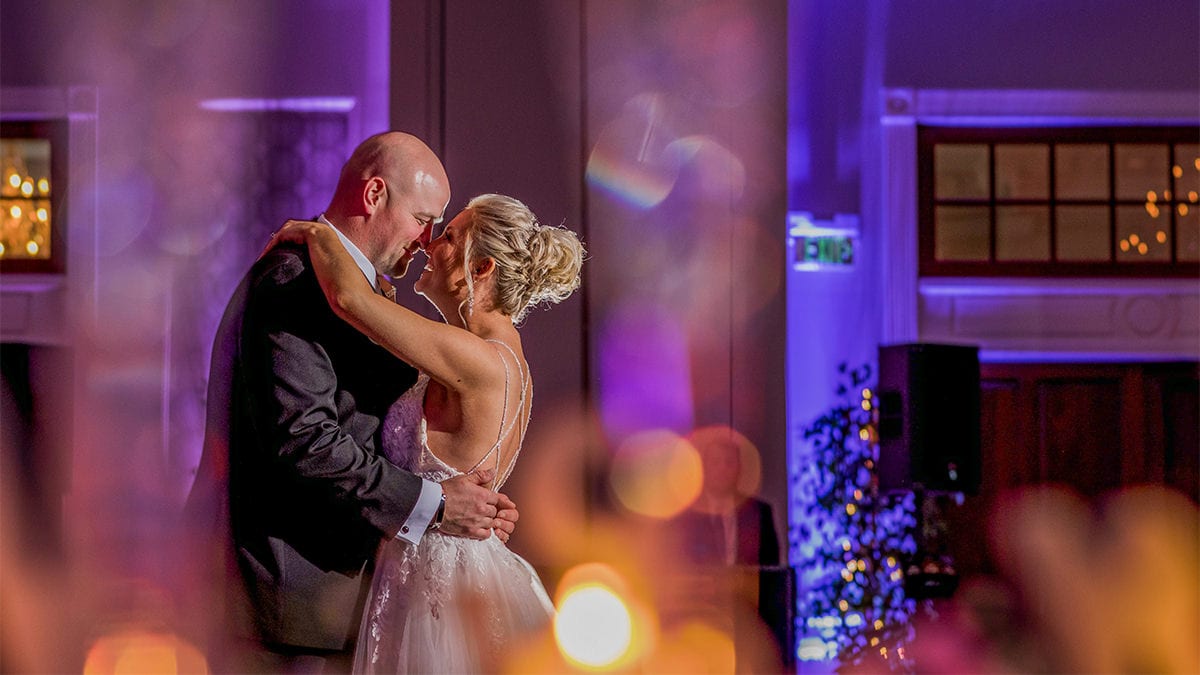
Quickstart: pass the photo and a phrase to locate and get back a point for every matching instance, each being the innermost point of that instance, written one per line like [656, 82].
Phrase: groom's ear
[374, 194]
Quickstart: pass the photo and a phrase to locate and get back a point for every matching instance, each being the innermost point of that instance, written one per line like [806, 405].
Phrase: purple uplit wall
[835, 60]
[674, 136]
[1074, 45]
[683, 190]
[184, 197]
[842, 55]
[654, 129]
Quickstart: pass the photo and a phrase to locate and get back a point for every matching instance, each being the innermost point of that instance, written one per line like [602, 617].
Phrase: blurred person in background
[725, 526]
[450, 604]
[293, 495]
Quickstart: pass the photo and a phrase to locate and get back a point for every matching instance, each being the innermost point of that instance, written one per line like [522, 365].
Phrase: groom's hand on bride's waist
[475, 511]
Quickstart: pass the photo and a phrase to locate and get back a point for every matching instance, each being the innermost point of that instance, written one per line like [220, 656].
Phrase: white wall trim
[1030, 107]
[1102, 319]
[42, 308]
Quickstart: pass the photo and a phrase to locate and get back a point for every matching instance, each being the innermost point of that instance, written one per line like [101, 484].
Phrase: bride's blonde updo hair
[535, 263]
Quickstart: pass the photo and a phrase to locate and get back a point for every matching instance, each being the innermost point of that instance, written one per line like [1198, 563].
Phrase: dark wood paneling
[1079, 432]
[1002, 463]
[1176, 431]
[1092, 428]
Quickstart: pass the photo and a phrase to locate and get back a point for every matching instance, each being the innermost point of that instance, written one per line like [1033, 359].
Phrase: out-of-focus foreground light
[130, 652]
[657, 474]
[600, 624]
[694, 647]
[593, 626]
[629, 161]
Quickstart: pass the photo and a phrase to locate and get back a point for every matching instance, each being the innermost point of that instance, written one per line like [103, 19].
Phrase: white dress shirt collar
[360, 258]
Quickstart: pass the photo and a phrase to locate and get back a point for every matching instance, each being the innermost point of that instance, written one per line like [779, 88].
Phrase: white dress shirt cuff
[422, 514]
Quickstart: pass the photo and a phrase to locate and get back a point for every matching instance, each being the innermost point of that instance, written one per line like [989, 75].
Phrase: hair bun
[556, 258]
[535, 263]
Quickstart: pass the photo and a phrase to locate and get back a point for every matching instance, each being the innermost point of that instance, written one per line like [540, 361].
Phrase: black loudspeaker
[929, 418]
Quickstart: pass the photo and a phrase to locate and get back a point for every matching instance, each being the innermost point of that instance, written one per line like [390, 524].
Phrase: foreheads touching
[390, 193]
[533, 263]
[395, 165]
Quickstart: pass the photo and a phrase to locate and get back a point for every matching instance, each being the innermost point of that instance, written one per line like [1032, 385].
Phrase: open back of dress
[448, 604]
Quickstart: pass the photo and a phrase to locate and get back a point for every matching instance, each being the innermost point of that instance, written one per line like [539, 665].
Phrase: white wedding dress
[448, 604]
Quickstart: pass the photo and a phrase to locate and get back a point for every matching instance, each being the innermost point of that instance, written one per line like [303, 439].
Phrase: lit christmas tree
[853, 542]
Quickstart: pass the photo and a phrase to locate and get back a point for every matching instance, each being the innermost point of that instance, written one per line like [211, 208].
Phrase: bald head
[403, 160]
[390, 192]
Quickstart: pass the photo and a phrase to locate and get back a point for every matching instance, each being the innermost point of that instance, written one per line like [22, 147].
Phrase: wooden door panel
[1005, 443]
[1079, 433]
[1181, 436]
[1092, 427]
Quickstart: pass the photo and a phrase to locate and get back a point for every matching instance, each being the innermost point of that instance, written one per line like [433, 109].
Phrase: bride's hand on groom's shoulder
[291, 232]
[474, 511]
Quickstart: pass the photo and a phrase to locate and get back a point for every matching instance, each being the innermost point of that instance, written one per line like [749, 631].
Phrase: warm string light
[1159, 203]
[858, 599]
[24, 202]
[1135, 243]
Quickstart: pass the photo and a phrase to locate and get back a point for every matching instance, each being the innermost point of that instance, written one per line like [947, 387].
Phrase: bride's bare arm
[450, 355]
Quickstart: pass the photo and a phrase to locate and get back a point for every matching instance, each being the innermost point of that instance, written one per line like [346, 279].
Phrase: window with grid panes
[1070, 201]
[32, 187]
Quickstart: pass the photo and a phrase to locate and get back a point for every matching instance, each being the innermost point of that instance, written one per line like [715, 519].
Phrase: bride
[450, 604]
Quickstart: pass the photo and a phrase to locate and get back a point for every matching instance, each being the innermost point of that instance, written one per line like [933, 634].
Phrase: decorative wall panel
[269, 166]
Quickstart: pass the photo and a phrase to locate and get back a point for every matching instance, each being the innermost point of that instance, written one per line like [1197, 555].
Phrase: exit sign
[822, 244]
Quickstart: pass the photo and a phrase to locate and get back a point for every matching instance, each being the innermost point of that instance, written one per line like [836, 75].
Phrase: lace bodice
[405, 437]
[449, 604]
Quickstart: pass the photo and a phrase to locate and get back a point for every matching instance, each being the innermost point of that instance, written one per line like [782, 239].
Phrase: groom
[295, 403]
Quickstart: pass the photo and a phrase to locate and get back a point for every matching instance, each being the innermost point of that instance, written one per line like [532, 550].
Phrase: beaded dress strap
[506, 425]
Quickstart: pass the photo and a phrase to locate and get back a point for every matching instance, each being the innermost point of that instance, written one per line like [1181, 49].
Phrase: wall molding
[54, 302]
[1030, 319]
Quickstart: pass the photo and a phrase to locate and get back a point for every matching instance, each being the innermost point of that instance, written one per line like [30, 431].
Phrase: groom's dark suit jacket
[295, 404]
